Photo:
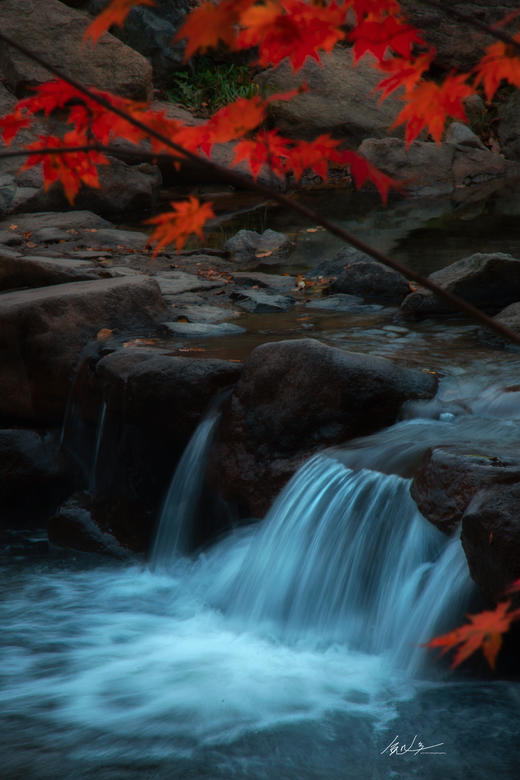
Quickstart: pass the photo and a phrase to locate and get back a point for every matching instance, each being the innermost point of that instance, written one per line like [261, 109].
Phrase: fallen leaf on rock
[104, 334]
[191, 349]
[264, 254]
[13, 227]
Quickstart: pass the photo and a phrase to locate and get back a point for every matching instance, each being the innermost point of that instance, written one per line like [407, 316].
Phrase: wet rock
[450, 477]
[341, 99]
[491, 538]
[260, 302]
[73, 526]
[272, 282]
[203, 329]
[154, 404]
[43, 331]
[487, 280]
[295, 398]
[55, 31]
[42, 271]
[358, 274]
[203, 312]
[248, 245]
[510, 317]
[33, 478]
[178, 282]
[340, 302]
[462, 137]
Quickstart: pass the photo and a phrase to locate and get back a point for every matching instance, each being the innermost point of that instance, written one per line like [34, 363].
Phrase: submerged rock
[295, 398]
[73, 526]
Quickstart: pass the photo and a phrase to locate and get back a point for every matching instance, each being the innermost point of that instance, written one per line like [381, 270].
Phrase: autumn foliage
[275, 30]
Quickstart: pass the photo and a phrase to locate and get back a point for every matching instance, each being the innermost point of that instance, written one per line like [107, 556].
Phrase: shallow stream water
[290, 649]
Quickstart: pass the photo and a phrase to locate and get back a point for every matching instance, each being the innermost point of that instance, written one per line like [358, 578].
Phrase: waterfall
[344, 557]
[181, 503]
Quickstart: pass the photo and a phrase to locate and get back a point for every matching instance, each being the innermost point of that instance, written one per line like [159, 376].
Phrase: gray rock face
[489, 281]
[294, 398]
[508, 126]
[42, 271]
[510, 317]
[340, 99]
[203, 329]
[55, 31]
[491, 538]
[43, 331]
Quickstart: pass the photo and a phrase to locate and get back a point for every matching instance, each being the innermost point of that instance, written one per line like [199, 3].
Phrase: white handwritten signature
[415, 747]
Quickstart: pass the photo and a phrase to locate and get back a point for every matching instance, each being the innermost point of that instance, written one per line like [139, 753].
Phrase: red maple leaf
[12, 123]
[485, 630]
[267, 148]
[291, 28]
[403, 72]
[429, 105]
[211, 24]
[176, 226]
[500, 63]
[378, 35]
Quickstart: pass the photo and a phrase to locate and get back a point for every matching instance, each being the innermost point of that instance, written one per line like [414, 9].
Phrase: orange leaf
[404, 72]
[211, 24]
[12, 123]
[291, 28]
[429, 105]
[176, 226]
[115, 13]
[501, 62]
[485, 630]
[267, 148]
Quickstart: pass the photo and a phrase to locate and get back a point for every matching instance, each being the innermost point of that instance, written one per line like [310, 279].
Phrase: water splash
[181, 503]
[344, 556]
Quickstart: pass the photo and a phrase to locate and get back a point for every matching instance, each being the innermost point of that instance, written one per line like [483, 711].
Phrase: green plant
[204, 85]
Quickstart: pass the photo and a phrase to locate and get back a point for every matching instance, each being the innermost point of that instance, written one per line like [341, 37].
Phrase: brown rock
[55, 32]
[43, 331]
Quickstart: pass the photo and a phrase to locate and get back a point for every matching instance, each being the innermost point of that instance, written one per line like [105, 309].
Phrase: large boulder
[55, 32]
[450, 477]
[154, 403]
[491, 538]
[295, 398]
[43, 331]
[510, 317]
[487, 280]
[427, 168]
[340, 100]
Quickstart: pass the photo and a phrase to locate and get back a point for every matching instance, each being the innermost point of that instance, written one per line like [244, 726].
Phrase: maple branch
[470, 19]
[115, 151]
[242, 181]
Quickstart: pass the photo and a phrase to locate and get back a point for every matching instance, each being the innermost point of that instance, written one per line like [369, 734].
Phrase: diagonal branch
[241, 181]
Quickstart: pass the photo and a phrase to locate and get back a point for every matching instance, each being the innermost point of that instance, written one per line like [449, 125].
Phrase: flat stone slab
[177, 282]
[36, 271]
[204, 312]
[258, 301]
[203, 329]
[68, 220]
[282, 284]
[343, 302]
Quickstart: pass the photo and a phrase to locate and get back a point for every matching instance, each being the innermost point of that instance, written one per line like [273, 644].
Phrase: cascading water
[181, 502]
[289, 649]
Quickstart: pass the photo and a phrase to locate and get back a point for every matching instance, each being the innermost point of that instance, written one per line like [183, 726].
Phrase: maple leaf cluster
[277, 30]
